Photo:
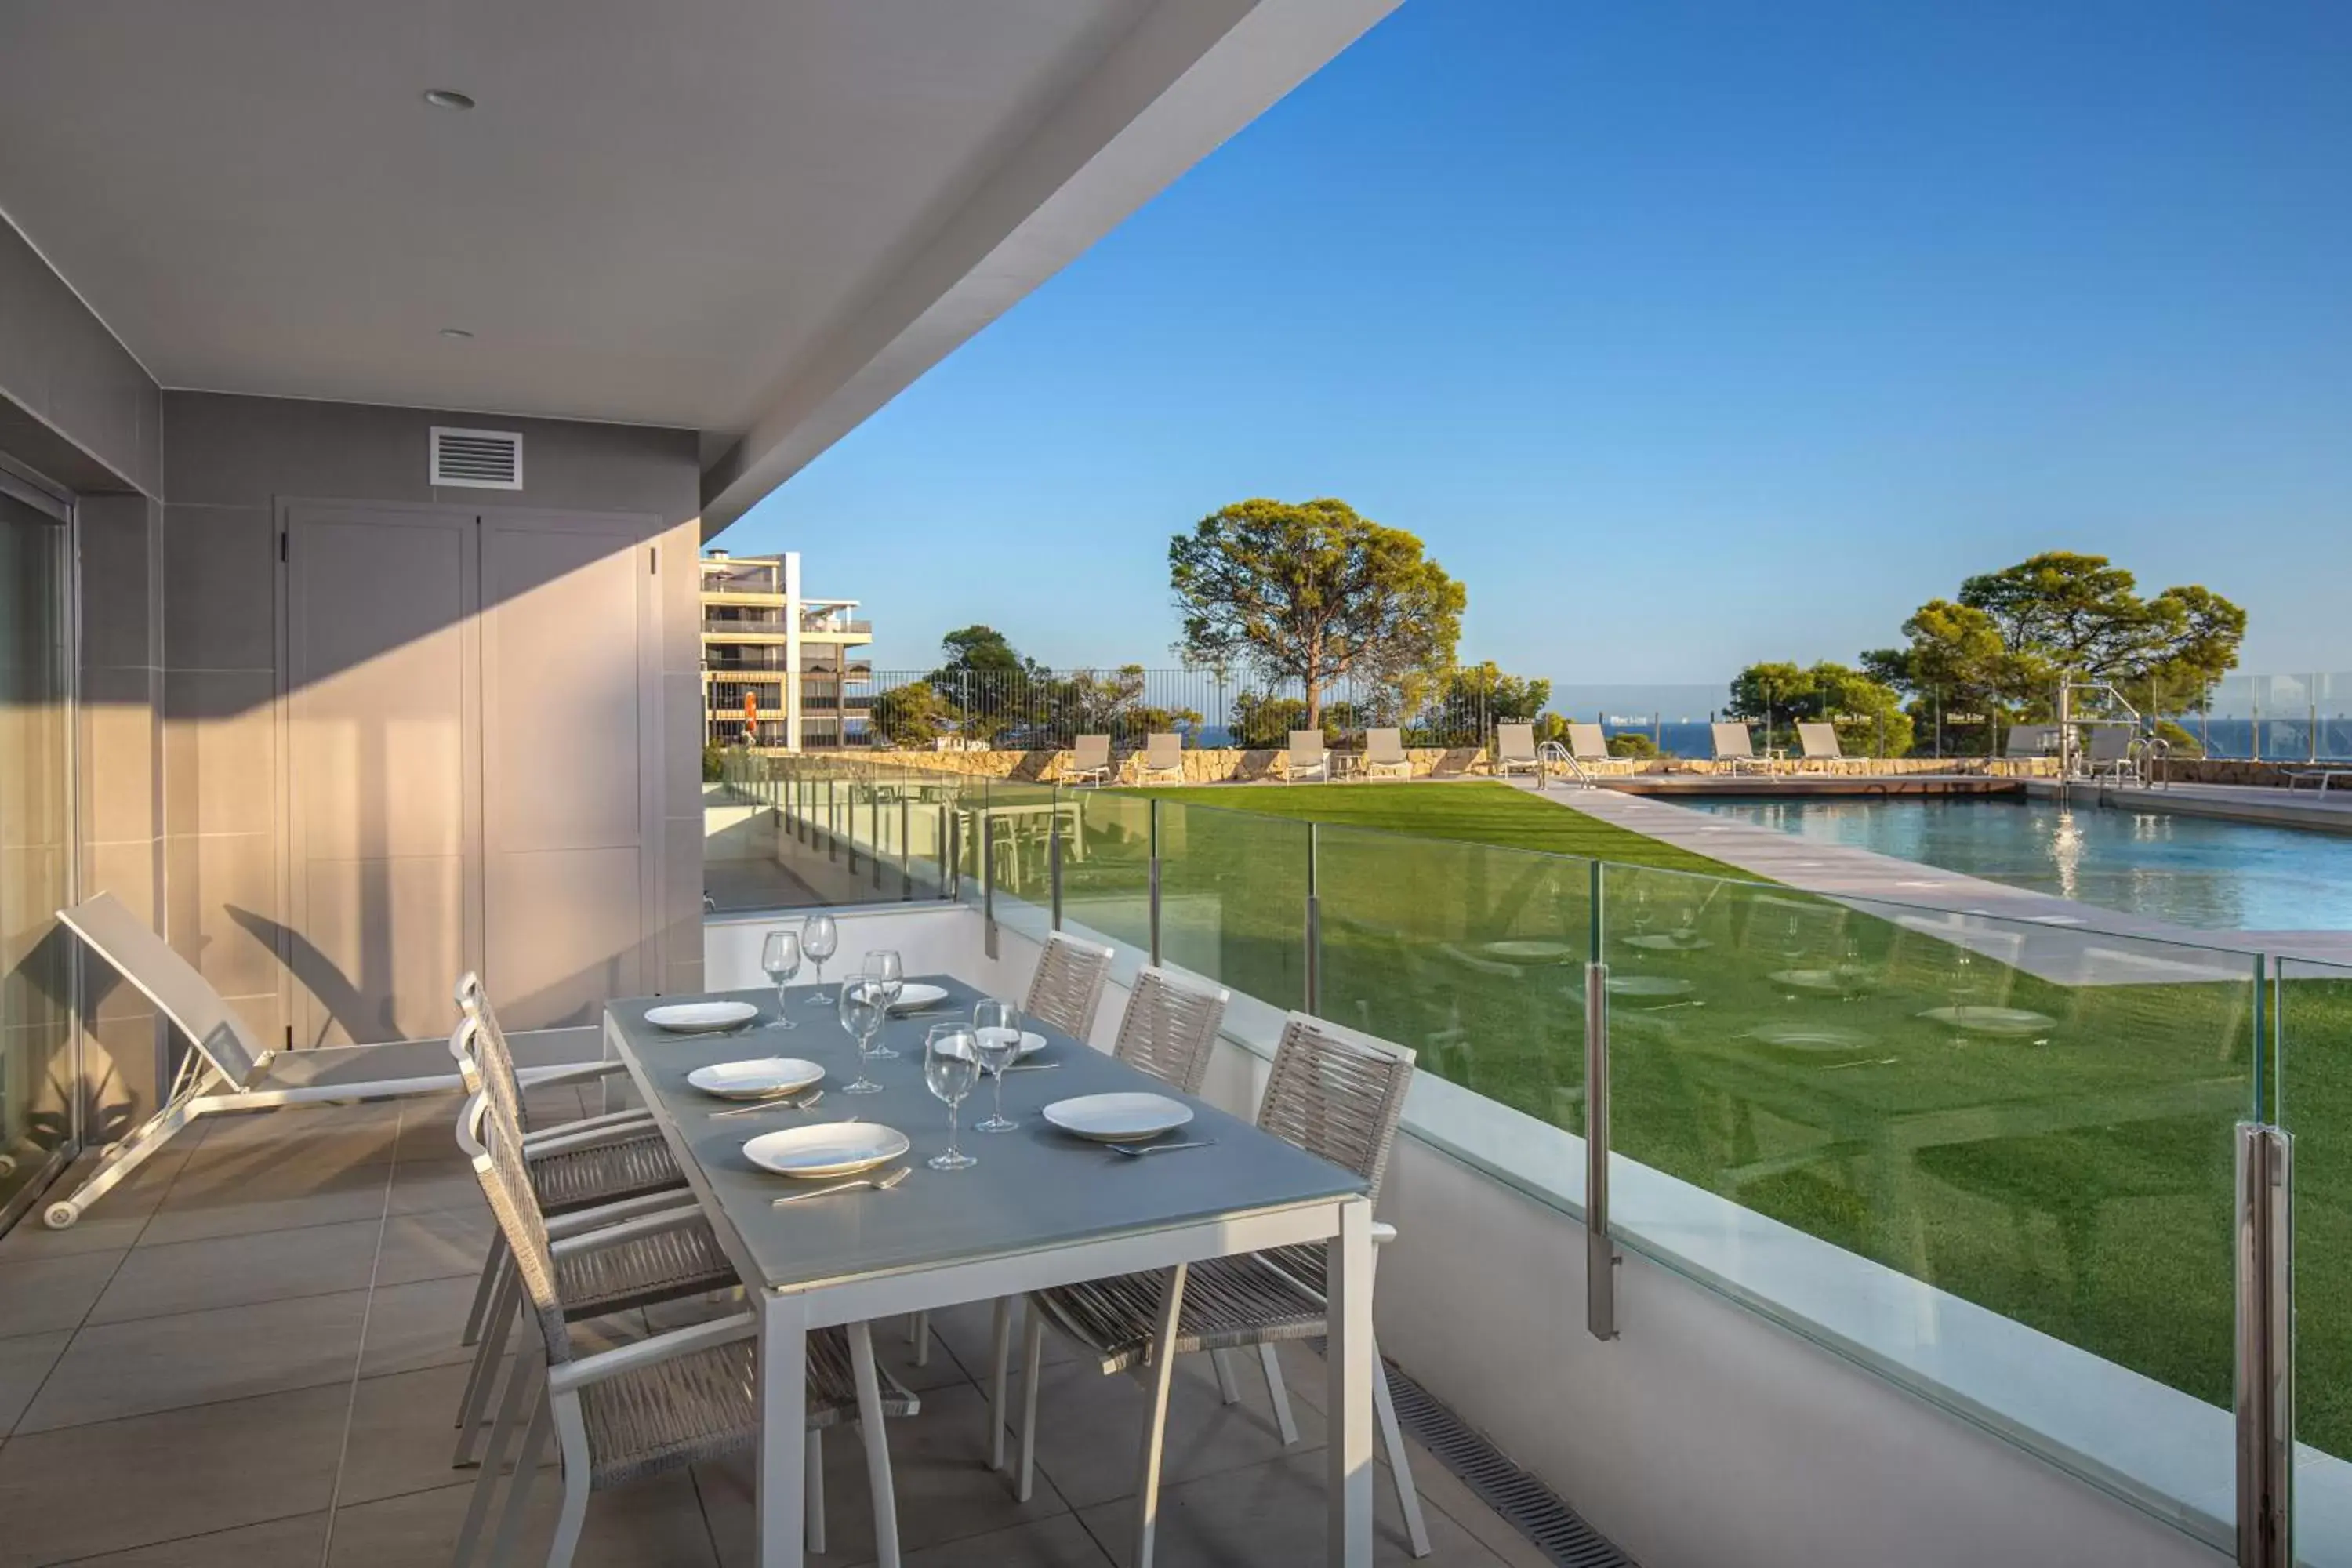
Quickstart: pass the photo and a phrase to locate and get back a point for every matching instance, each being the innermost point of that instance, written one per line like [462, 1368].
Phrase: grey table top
[1032, 1188]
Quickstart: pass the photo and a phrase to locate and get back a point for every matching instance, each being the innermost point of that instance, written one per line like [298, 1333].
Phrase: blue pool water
[2190, 870]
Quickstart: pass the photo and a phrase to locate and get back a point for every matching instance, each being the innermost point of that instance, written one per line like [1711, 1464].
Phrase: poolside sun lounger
[2031, 741]
[1515, 751]
[229, 1069]
[1818, 743]
[1587, 745]
[1090, 762]
[1309, 757]
[1163, 760]
[1735, 747]
[1384, 752]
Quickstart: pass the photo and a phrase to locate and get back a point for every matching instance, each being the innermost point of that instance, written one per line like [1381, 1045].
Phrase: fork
[1138, 1151]
[780, 1103]
[879, 1183]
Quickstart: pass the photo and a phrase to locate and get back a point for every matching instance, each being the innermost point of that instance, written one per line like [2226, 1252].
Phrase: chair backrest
[485, 1053]
[170, 982]
[1337, 1093]
[1164, 750]
[2031, 741]
[1732, 741]
[1384, 746]
[1306, 748]
[2110, 743]
[1586, 744]
[1515, 743]
[1093, 751]
[493, 1142]
[1168, 1029]
[1066, 990]
[1819, 740]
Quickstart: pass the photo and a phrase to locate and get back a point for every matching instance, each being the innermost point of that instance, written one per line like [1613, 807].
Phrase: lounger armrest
[572, 1376]
[634, 1229]
[578, 1221]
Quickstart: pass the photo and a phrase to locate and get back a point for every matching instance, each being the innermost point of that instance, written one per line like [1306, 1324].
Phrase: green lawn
[2075, 1177]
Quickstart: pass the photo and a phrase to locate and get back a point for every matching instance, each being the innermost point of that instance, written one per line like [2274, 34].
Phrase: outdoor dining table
[1040, 1208]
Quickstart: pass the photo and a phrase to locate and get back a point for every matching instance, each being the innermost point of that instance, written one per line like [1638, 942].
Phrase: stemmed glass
[820, 938]
[951, 1068]
[861, 1014]
[996, 1031]
[780, 955]
[885, 976]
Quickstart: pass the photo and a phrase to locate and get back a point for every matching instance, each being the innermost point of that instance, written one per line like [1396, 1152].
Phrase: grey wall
[229, 462]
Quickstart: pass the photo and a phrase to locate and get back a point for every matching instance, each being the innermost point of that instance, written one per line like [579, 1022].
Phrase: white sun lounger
[2031, 741]
[1818, 743]
[1384, 752]
[1163, 759]
[1515, 751]
[1587, 745]
[1309, 757]
[1090, 762]
[230, 1070]
[1734, 746]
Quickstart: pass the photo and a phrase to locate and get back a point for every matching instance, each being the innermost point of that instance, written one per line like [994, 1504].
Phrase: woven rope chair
[1168, 1031]
[1068, 988]
[1334, 1092]
[659, 1405]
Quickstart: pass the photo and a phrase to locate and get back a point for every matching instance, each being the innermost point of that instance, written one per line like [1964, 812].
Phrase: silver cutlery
[1032, 1066]
[780, 1102]
[1138, 1151]
[879, 1183]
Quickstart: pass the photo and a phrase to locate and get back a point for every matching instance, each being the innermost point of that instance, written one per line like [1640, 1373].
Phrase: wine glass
[884, 975]
[780, 955]
[951, 1068]
[996, 1031]
[819, 940]
[861, 1016]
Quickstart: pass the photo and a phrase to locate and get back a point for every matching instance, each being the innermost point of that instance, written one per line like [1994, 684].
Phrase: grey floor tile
[190, 1472]
[25, 1360]
[435, 1245]
[403, 1430]
[240, 1270]
[1273, 1516]
[656, 1522]
[1090, 1427]
[965, 1329]
[41, 1294]
[146, 1364]
[280, 1543]
[1059, 1542]
[113, 1222]
[946, 1491]
[413, 1326]
[237, 1197]
[330, 1136]
[420, 1187]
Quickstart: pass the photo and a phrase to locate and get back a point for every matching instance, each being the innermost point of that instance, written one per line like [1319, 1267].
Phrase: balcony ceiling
[754, 219]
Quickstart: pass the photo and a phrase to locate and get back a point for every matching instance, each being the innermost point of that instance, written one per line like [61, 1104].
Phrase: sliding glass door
[35, 827]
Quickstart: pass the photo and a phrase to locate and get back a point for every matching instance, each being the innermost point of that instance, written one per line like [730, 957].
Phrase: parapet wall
[1227, 765]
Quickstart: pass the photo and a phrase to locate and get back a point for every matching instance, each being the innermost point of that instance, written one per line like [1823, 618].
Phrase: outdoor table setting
[823, 1131]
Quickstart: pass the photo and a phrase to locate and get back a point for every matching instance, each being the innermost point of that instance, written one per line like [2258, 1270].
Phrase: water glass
[884, 975]
[819, 940]
[780, 955]
[996, 1031]
[861, 1017]
[951, 1068]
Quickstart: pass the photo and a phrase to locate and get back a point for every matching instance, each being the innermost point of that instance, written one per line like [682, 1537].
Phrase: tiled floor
[248, 1355]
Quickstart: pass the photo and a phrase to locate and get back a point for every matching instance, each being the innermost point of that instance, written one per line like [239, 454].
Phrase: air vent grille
[478, 459]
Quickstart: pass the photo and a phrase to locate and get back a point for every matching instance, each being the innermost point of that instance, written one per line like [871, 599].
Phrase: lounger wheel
[61, 1216]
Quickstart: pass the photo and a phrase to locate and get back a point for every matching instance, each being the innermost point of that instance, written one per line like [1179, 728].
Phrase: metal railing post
[950, 853]
[906, 847]
[1314, 1002]
[1155, 882]
[1600, 1252]
[988, 880]
[874, 828]
[1054, 860]
[2265, 1346]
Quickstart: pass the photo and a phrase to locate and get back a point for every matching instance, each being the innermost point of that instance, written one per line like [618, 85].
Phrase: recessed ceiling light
[455, 335]
[447, 98]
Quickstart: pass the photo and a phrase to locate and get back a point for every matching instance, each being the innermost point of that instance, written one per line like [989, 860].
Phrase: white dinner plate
[701, 1018]
[760, 1080]
[1519, 949]
[1118, 1118]
[2003, 1021]
[1031, 1044]
[1649, 985]
[1668, 942]
[827, 1148]
[1808, 1037]
[915, 995]
[1825, 982]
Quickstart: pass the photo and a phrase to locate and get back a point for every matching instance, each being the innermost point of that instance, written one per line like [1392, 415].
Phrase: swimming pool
[2192, 871]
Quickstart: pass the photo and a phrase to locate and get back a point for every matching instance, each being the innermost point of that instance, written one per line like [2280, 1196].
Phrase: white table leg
[1349, 1400]
[783, 1423]
[873, 1430]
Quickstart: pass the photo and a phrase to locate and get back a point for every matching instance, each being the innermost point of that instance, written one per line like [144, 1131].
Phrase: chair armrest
[566, 1134]
[572, 1377]
[560, 1225]
[627, 1230]
[1382, 1233]
[569, 1072]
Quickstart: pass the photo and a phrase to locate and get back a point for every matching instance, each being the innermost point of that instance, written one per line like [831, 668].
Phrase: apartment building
[780, 667]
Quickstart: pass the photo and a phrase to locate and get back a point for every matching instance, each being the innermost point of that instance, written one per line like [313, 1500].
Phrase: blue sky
[1684, 332]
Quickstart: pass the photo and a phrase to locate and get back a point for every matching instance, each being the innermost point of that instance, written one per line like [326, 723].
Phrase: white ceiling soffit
[755, 218]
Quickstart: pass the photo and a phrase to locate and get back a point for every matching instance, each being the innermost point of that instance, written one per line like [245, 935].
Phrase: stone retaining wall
[1225, 765]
